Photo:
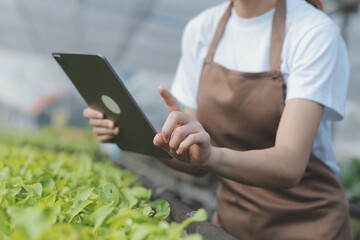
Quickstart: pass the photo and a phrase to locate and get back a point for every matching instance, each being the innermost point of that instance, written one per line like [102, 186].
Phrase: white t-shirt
[314, 60]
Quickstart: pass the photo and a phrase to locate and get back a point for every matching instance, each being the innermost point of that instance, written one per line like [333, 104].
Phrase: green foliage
[350, 178]
[49, 191]
[56, 139]
[355, 224]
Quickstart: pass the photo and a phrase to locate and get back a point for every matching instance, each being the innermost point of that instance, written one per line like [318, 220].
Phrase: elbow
[289, 183]
[291, 171]
[290, 180]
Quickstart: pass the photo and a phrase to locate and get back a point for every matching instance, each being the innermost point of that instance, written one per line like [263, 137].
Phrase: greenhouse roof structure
[135, 36]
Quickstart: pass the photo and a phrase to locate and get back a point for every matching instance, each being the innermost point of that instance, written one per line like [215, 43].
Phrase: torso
[250, 53]
[241, 111]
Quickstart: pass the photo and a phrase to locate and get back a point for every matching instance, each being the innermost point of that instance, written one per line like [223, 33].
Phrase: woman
[260, 80]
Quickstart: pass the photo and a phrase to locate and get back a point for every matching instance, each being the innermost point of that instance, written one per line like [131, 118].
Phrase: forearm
[277, 167]
[184, 167]
[281, 166]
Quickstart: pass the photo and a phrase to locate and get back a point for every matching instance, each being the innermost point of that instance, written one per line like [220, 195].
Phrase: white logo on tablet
[111, 104]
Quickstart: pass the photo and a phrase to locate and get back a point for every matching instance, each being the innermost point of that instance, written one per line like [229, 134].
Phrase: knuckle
[104, 124]
[101, 123]
[180, 131]
[198, 125]
[103, 131]
[108, 124]
[206, 136]
[191, 138]
[174, 115]
[100, 131]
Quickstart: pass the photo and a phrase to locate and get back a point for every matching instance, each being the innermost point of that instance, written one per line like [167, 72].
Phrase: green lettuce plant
[62, 193]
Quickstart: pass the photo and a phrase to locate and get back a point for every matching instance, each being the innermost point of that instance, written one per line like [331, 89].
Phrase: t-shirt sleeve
[186, 81]
[319, 70]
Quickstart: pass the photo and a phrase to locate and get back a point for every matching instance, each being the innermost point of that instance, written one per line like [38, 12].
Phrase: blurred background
[141, 39]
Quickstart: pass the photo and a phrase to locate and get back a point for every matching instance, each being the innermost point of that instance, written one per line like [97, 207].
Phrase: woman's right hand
[104, 129]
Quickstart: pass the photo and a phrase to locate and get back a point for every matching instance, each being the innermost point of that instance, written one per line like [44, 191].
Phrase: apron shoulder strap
[277, 35]
[218, 34]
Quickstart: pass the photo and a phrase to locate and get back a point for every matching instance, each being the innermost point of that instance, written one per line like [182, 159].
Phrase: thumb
[169, 99]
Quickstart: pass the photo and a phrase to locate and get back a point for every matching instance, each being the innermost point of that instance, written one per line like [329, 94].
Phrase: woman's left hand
[182, 135]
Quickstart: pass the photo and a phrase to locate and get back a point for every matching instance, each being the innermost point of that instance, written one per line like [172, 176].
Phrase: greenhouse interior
[57, 181]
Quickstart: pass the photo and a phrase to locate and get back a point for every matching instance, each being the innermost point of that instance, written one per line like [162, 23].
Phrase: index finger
[92, 113]
[174, 119]
[170, 100]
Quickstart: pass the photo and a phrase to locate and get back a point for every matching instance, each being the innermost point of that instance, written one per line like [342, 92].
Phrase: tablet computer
[103, 90]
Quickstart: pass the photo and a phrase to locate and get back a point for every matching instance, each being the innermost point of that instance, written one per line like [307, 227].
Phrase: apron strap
[218, 34]
[277, 35]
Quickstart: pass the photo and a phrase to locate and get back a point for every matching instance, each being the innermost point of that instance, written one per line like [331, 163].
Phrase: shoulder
[203, 26]
[316, 59]
[311, 35]
[305, 21]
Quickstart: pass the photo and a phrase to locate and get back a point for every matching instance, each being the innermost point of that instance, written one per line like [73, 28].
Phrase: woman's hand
[182, 135]
[104, 129]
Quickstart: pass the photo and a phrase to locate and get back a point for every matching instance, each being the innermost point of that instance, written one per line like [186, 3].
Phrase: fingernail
[110, 124]
[99, 115]
[178, 152]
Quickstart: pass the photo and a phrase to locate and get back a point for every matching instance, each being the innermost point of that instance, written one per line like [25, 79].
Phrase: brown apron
[241, 111]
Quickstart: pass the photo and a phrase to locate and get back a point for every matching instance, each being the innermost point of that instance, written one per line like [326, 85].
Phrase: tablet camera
[111, 104]
[60, 60]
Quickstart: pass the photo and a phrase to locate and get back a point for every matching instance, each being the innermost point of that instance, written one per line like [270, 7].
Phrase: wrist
[215, 156]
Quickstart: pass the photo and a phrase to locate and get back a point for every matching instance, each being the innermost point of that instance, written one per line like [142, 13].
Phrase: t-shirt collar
[251, 23]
